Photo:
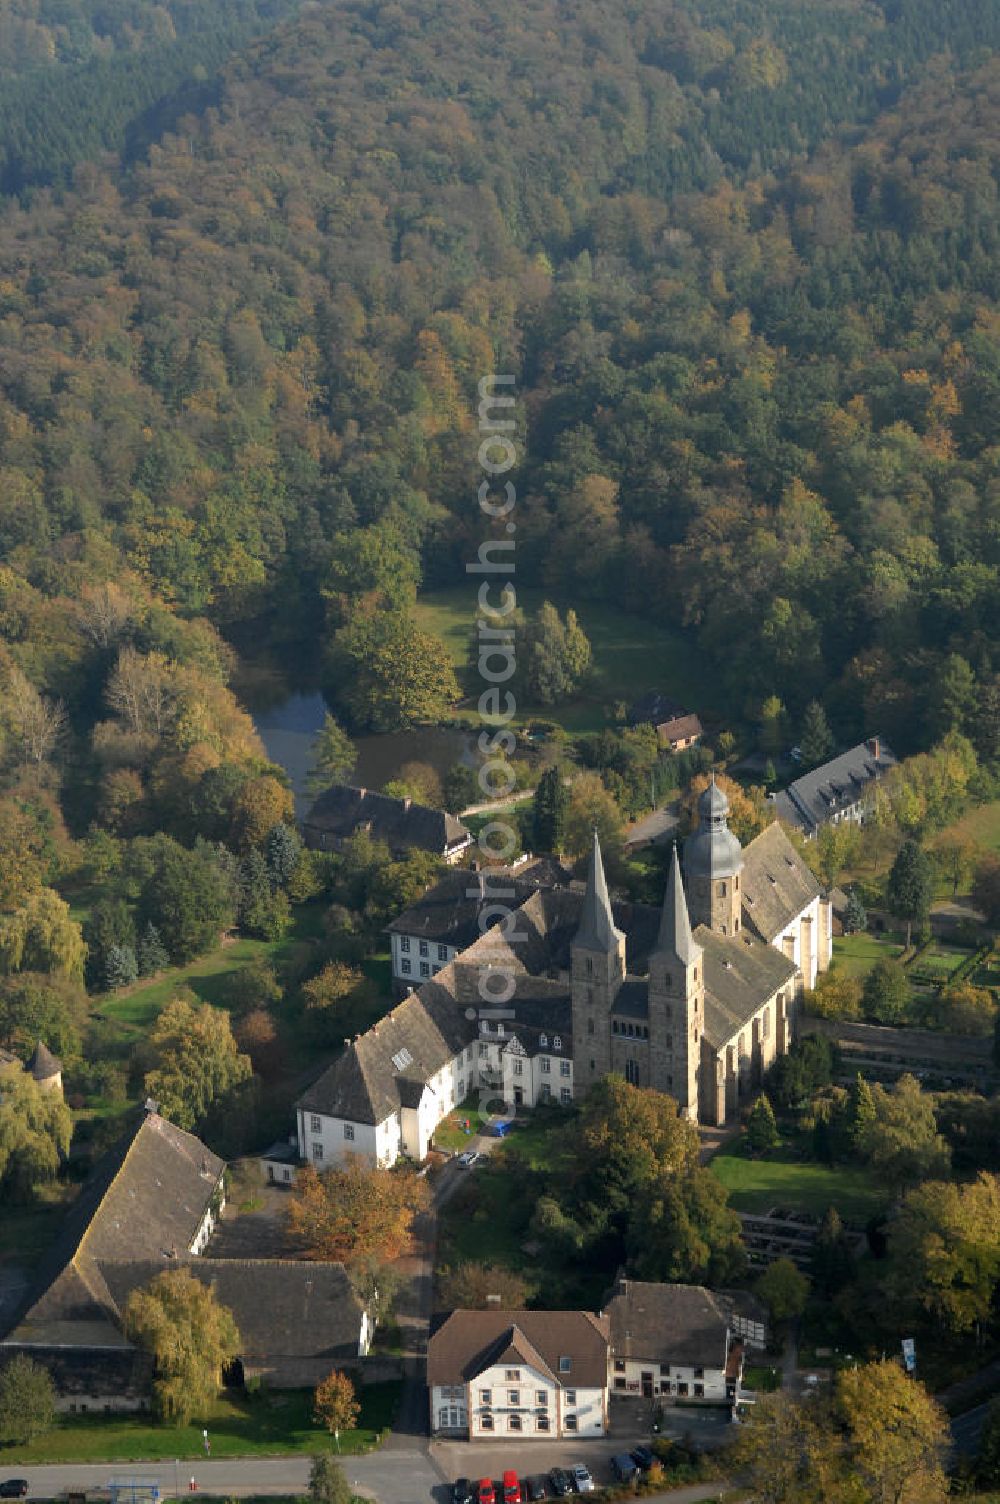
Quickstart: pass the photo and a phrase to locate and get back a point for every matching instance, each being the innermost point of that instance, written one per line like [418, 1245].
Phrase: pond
[288, 727]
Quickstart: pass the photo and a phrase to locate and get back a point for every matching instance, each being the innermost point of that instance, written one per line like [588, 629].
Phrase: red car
[485, 1491]
[511, 1488]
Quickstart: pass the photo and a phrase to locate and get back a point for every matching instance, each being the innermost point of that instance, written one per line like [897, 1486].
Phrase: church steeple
[597, 926]
[675, 937]
[597, 971]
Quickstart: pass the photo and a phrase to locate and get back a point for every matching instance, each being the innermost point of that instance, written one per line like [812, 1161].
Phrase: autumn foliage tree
[355, 1212]
[334, 1403]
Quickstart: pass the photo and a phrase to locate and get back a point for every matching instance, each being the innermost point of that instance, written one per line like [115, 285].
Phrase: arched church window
[722, 889]
[590, 966]
[667, 979]
[632, 1072]
[590, 1026]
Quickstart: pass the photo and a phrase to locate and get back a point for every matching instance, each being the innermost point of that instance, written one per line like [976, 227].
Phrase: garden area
[630, 656]
[270, 1422]
[783, 1177]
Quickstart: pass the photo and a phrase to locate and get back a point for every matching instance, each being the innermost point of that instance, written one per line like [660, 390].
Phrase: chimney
[873, 747]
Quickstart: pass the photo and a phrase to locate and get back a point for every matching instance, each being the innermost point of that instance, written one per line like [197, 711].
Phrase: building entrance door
[647, 1386]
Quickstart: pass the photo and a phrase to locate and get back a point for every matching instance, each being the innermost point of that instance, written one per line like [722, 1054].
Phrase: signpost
[909, 1355]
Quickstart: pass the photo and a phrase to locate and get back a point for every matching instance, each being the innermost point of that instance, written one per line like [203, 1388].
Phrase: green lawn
[630, 656]
[449, 1134]
[135, 1008]
[939, 961]
[857, 954]
[781, 1180]
[271, 1423]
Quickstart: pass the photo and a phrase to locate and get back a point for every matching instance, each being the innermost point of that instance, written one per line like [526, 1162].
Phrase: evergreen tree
[861, 1116]
[886, 993]
[549, 811]
[855, 914]
[460, 788]
[151, 953]
[762, 1130]
[832, 1259]
[817, 739]
[120, 967]
[283, 848]
[910, 886]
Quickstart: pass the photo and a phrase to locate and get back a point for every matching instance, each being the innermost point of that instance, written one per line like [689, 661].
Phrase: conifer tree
[817, 738]
[762, 1130]
[549, 812]
[861, 1115]
[152, 953]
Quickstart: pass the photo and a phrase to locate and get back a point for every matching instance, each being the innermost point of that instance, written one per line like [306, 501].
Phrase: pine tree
[817, 738]
[120, 967]
[762, 1129]
[152, 953]
[549, 811]
[855, 914]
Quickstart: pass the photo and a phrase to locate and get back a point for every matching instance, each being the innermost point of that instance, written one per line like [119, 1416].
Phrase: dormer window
[543, 1040]
[557, 1043]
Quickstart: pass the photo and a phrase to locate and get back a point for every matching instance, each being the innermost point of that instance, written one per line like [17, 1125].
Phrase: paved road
[391, 1478]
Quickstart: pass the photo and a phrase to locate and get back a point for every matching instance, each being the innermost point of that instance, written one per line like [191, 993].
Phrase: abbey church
[695, 999]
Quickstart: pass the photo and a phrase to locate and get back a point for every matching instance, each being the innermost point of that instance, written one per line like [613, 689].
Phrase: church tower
[676, 1001]
[597, 970]
[713, 861]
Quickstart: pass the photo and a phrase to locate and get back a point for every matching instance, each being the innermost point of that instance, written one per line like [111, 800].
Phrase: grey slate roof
[423, 1033]
[597, 927]
[741, 973]
[467, 1342]
[449, 912]
[835, 785]
[146, 1198]
[674, 938]
[680, 1324]
[632, 999]
[711, 850]
[283, 1308]
[777, 883]
[343, 809]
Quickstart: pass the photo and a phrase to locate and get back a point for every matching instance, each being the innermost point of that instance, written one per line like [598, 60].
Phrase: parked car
[561, 1482]
[511, 1487]
[485, 1492]
[643, 1458]
[537, 1487]
[624, 1466]
[582, 1481]
[14, 1488]
[469, 1158]
[462, 1492]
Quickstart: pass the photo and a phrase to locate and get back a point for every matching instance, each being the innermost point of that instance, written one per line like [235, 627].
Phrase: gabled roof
[449, 912]
[681, 1324]
[835, 785]
[680, 727]
[343, 809]
[146, 1198]
[741, 973]
[777, 883]
[418, 1037]
[468, 1342]
[283, 1308]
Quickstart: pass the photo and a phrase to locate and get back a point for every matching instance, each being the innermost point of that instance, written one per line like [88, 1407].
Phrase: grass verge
[271, 1424]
